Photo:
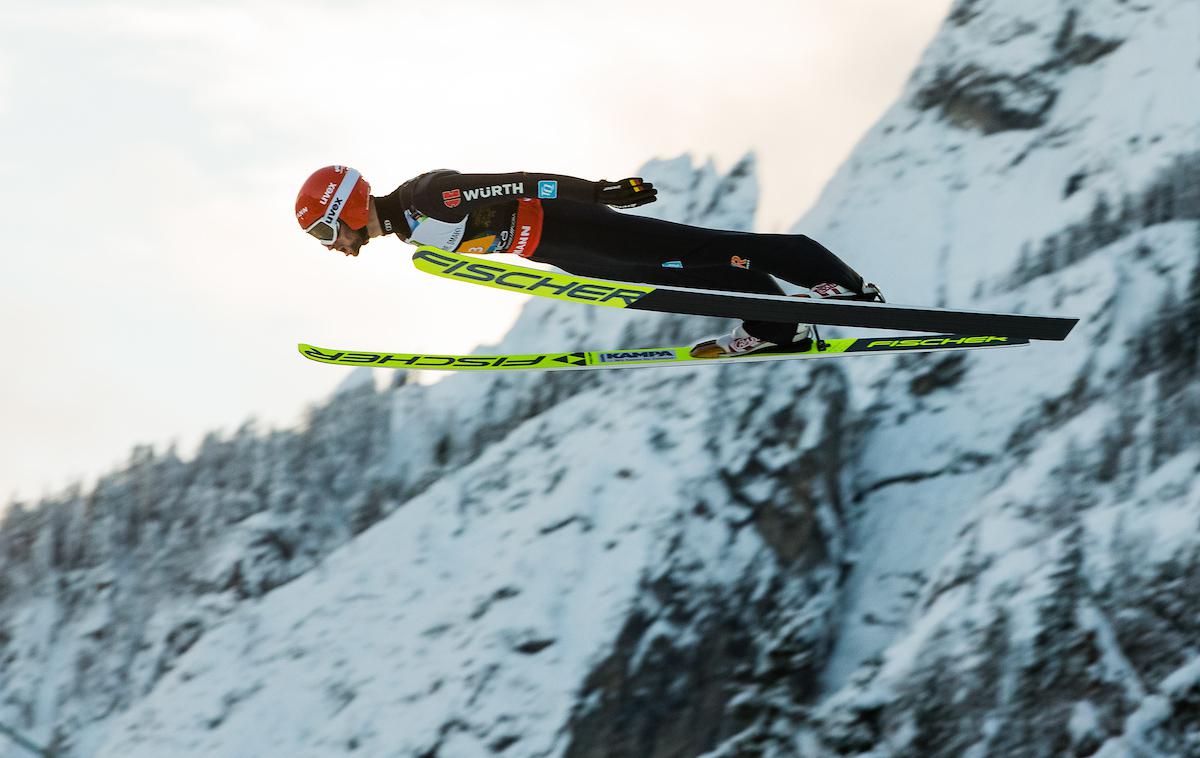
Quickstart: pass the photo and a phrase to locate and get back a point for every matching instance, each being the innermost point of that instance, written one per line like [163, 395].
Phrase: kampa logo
[637, 355]
[495, 190]
[328, 193]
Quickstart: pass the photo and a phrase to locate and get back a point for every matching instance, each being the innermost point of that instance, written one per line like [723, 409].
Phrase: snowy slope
[991, 511]
[470, 618]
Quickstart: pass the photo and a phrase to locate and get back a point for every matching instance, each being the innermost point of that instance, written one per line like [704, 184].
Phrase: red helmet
[331, 194]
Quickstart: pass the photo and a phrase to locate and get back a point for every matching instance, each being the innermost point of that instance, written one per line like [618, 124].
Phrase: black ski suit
[557, 220]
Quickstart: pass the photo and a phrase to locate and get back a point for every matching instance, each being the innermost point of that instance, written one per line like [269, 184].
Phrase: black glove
[627, 193]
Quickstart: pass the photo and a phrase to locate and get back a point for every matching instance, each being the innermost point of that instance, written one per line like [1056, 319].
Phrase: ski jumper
[556, 219]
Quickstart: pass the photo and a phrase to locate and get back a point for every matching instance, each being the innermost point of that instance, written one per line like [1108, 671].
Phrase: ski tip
[310, 351]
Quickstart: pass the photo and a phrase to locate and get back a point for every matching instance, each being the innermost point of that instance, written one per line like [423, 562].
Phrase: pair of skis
[959, 330]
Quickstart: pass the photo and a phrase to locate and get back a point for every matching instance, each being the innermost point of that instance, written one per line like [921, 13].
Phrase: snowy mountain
[966, 555]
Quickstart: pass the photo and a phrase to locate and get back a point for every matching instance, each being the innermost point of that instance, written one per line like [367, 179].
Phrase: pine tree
[1169, 338]
[1072, 488]
[1059, 658]
[1187, 185]
[1129, 415]
[1152, 206]
[1079, 243]
[1189, 317]
[1116, 452]
[1068, 587]
[1047, 257]
[1168, 201]
[1147, 209]
[1127, 223]
[1102, 228]
[1023, 273]
[1187, 414]
[1166, 434]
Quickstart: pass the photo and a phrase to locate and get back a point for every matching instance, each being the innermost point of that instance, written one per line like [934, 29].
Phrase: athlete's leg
[795, 258]
[594, 240]
[598, 237]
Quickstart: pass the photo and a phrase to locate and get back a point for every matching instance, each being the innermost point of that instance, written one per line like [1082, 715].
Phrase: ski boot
[741, 342]
[870, 293]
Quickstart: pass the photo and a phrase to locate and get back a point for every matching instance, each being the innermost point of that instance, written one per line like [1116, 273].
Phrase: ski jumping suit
[555, 219]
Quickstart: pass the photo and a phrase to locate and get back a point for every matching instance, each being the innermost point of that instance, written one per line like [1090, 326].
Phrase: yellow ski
[649, 357]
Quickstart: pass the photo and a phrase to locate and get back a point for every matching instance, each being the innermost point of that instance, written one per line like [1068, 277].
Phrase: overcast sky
[153, 283]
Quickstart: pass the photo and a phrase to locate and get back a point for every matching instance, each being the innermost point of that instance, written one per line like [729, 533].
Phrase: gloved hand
[626, 193]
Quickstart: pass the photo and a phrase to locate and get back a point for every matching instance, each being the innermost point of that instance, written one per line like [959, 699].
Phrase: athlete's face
[349, 240]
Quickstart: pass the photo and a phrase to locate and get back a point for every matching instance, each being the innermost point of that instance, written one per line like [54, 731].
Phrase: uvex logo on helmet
[328, 192]
[332, 214]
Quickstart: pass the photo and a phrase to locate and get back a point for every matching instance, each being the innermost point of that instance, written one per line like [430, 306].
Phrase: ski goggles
[325, 228]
